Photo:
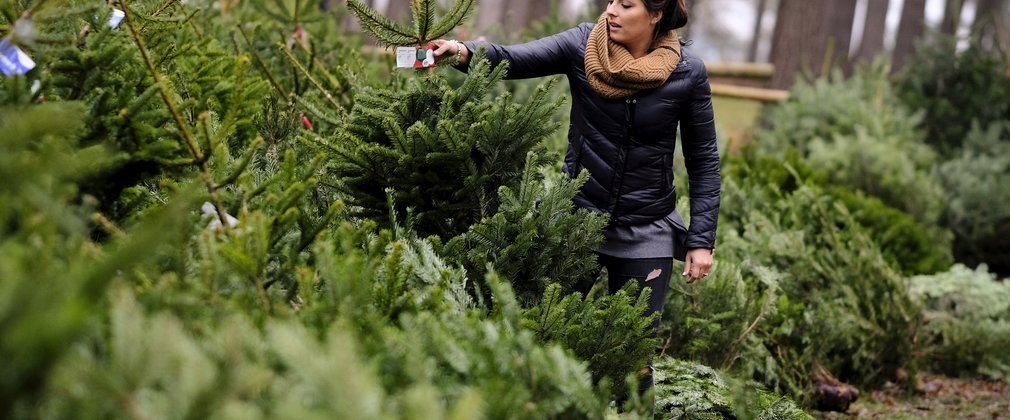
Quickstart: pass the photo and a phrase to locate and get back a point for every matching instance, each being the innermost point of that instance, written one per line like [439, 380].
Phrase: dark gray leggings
[621, 270]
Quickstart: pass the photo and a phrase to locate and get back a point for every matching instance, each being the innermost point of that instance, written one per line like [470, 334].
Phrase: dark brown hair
[674, 14]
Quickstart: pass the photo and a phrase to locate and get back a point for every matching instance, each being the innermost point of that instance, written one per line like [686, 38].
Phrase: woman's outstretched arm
[542, 57]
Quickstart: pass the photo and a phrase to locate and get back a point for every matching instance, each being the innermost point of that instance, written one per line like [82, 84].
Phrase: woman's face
[630, 22]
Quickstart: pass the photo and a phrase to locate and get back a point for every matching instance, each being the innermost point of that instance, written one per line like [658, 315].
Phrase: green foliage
[438, 357]
[443, 152]
[841, 304]
[686, 390]
[955, 89]
[53, 276]
[976, 179]
[134, 97]
[608, 331]
[911, 246]
[304, 54]
[857, 132]
[721, 313]
[425, 28]
[967, 322]
[536, 238]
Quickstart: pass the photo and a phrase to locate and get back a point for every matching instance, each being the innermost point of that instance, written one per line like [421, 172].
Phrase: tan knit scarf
[614, 73]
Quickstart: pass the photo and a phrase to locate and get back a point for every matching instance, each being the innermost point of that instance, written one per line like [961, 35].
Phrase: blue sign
[13, 60]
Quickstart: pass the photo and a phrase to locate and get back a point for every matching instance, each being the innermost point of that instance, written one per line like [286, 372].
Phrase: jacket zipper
[618, 183]
[667, 169]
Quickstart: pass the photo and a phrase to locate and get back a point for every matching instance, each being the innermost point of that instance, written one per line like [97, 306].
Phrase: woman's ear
[656, 17]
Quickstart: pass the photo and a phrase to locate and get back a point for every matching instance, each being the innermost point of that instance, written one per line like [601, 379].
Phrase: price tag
[117, 16]
[415, 57]
[13, 60]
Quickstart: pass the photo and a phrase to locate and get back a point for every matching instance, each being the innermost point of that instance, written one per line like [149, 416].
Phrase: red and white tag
[415, 57]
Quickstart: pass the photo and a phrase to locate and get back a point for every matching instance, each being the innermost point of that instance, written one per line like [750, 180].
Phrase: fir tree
[536, 238]
[54, 276]
[609, 331]
[441, 151]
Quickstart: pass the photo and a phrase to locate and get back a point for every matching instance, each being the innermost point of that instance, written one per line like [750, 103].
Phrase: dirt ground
[936, 397]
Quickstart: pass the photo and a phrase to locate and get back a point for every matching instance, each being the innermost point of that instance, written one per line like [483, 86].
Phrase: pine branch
[456, 15]
[259, 61]
[424, 16]
[164, 90]
[305, 72]
[315, 111]
[383, 29]
[243, 163]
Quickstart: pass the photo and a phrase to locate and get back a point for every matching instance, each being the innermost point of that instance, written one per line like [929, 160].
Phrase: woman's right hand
[446, 50]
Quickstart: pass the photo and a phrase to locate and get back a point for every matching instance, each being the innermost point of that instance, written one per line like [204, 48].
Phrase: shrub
[690, 391]
[609, 331]
[721, 313]
[838, 302]
[441, 151]
[955, 89]
[976, 180]
[861, 136]
[967, 322]
[536, 238]
[912, 246]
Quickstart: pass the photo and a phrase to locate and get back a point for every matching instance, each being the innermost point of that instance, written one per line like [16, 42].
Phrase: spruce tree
[536, 237]
[440, 151]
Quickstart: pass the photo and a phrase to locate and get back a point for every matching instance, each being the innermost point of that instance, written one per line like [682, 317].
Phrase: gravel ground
[935, 397]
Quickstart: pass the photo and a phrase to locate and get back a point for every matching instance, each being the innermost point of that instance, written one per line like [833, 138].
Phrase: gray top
[650, 240]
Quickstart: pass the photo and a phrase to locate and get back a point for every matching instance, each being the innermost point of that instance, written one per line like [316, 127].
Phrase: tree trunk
[489, 14]
[913, 17]
[872, 43]
[951, 17]
[523, 12]
[542, 9]
[518, 13]
[686, 31]
[798, 41]
[988, 24]
[1003, 26]
[839, 19]
[755, 40]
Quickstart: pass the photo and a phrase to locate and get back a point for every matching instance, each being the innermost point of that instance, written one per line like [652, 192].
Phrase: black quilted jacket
[627, 144]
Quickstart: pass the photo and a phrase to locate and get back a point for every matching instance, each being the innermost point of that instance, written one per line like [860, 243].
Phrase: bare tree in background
[523, 12]
[755, 40]
[874, 26]
[798, 41]
[517, 13]
[686, 31]
[490, 13]
[951, 16]
[990, 25]
[840, 15]
[913, 18]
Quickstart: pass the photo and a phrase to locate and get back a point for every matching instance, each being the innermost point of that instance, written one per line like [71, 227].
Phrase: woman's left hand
[697, 264]
[447, 50]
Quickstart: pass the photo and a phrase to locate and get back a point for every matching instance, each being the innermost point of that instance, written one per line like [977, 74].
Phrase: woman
[631, 84]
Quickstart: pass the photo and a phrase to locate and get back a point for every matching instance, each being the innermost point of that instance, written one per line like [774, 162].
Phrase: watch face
[421, 54]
